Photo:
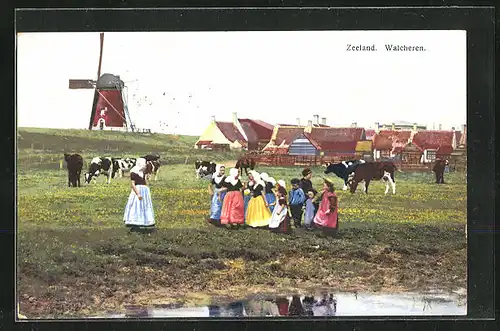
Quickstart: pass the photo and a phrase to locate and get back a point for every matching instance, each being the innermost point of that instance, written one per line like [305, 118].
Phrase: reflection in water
[325, 304]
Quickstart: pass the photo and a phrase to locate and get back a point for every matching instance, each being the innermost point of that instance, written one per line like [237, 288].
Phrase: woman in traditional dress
[248, 192]
[280, 220]
[327, 215]
[270, 195]
[217, 190]
[281, 183]
[139, 209]
[233, 206]
[258, 214]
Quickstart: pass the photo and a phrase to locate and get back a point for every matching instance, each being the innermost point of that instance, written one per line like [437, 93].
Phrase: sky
[177, 80]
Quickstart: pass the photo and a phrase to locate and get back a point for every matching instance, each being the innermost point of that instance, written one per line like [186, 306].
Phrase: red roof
[387, 139]
[231, 132]
[338, 139]
[442, 140]
[204, 142]
[287, 134]
[369, 134]
[256, 129]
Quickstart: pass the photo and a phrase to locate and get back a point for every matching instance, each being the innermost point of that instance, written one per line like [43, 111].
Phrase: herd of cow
[107, 166]
[352, 172]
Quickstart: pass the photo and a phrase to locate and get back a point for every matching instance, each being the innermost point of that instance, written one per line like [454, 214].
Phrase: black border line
[479, 23]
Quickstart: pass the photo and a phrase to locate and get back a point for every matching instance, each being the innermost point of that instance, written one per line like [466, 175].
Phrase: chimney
[316, 119]
[298, 121]
[393, 126]
[323, 120]
[212, 119]
[453, 128]
[414, 126]
[235, 118]
[377, 126]
[354, 125]
[440, 126]
[464, 128]
[308, 128]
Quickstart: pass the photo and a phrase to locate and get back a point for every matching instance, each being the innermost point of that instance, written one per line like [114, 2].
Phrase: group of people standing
[263, 202]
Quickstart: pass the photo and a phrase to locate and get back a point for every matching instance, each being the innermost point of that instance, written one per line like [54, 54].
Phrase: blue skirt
[216, 207]
[270, 198]
[139, 212]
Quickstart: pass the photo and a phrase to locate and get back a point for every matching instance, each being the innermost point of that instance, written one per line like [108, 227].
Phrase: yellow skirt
[258, 215]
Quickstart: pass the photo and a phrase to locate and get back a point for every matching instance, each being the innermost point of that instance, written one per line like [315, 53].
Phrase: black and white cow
[74, 163]
[98, 166]
[204, 168]
[344, 170]
[121, 166]
[151, 157]
[152, 168]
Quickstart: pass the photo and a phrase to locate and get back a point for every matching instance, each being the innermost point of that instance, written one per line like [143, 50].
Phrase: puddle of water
[326, 304]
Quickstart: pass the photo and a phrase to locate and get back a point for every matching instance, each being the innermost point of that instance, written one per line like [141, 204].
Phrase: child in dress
[280, 220]
[310, 209]
[296, 202]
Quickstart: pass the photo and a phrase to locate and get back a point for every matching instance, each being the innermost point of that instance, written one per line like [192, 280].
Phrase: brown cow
[368, 171]
[74, 164]
[438, 170]
[245, 162]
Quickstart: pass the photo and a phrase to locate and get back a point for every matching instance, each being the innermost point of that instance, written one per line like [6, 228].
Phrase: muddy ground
[79, 272]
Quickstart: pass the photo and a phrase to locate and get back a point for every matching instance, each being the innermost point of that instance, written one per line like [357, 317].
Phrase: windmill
[110, 107]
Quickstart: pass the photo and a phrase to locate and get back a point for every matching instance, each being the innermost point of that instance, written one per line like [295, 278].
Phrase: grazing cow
[99, 165]
[245, 162]
[74, 163]
[121, 166]
[204, 168]
[343, 170]
[374, 171]
[152, 167]
[151, 157]
[438, 170]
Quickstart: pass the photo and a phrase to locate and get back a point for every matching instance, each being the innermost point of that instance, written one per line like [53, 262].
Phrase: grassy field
[76, 258]
[43, 148]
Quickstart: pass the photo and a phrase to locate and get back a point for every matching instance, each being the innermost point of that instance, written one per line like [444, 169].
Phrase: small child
[310, 210]
[296, 202]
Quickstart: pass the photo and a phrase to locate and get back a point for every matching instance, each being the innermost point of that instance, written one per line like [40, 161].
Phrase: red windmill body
[109, 109]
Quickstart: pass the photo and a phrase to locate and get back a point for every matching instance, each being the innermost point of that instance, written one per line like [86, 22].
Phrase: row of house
[409, 140]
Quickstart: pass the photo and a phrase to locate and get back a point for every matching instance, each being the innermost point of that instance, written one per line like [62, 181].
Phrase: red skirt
[233, 208]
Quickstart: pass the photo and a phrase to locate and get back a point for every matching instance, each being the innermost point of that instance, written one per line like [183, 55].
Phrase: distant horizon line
[387, 127]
